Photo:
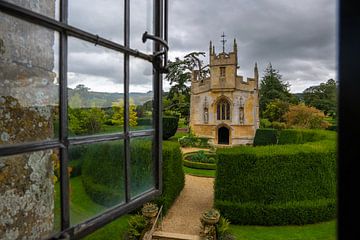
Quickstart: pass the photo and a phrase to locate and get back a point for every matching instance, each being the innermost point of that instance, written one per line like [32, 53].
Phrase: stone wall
[28, 107]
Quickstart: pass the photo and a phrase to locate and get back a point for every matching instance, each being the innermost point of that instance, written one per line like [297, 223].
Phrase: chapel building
[224, 107]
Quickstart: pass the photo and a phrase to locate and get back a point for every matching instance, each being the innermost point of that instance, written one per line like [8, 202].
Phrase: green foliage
[278, 125]
[254, 181]
[199, 165]
[191, 140]
[201, 157]
[265, 136]
[118, 116]
[322, 97]
[222, 226]
[272, 88]
[170, 126]
[275, 110]
[144, 121]
[137, 226]
[173, 175]
[265, 123]
[85, 120]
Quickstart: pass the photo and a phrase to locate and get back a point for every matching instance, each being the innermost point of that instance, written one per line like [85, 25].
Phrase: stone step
[160, 235]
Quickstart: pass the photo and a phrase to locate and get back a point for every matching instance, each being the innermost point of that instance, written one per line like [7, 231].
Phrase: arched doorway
[223, 135]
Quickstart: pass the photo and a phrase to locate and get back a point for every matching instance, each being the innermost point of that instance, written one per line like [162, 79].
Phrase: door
[223, 135]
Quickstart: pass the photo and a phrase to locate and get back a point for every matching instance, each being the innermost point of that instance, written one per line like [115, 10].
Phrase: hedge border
[198, 165]
[290, 213]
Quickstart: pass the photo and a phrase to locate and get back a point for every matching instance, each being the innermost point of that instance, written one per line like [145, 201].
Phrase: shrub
[278, 125]
[144, 121]
[173, 175]
[265, 136]
[265, 123]
[137, 225]
[170, 126]
[258, 185]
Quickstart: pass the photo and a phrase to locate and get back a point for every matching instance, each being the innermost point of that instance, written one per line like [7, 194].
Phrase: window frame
[160, 25]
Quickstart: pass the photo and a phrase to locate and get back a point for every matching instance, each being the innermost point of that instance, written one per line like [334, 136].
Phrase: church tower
[224, 107]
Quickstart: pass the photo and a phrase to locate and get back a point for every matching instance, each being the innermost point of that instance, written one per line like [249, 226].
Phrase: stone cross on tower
[223, 41]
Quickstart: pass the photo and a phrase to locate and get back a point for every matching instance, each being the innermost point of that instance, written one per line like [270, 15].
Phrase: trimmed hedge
[103, 171]
[265, 136]
[199, 165]
[252, 182]
[144, 121]
[170, 126]
[173, 175]
[300, 136]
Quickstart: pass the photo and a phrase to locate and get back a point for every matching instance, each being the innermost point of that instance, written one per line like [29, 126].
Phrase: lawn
[319, 231]
[199, 172]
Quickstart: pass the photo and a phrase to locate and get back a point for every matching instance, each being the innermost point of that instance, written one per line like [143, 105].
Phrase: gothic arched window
[223, 110]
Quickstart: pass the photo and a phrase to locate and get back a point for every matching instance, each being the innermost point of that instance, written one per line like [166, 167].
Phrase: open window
[71, 95]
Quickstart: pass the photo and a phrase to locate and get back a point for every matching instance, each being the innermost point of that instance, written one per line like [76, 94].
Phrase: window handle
[159, 63]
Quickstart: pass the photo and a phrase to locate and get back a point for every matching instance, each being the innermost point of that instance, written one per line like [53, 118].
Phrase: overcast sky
[297, 37]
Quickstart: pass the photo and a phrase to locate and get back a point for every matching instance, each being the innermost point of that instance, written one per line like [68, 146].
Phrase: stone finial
[235, 45]
[210, 48]
[256, 72]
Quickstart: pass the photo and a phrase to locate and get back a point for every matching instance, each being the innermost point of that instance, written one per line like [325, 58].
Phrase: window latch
[159, 63]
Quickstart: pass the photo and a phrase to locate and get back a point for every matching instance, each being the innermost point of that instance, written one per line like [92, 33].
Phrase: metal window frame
[158, 59]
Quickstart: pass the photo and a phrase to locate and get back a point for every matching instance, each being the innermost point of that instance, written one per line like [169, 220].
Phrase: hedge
[144, 121]
[300, 136]
[199, 165]
[170, 126]
[265, 136]
[276, 177]
[173, 175]
[103, 171]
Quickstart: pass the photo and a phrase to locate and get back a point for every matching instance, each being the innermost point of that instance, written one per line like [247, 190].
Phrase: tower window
[222, 71]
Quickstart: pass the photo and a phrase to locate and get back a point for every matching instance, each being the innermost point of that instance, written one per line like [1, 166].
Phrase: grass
[199, 172]
[83, 208]
[319, 231]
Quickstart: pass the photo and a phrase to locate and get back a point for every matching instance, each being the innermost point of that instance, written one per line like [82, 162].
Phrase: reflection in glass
[96, 180]
[141, 19]
[142, 165]
[104, 18]
[30, 194]
[49, 8]
[95, 89]
[141, 94]
[29, 89]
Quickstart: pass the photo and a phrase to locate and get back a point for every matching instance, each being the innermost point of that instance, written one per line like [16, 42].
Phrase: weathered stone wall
[28, 104]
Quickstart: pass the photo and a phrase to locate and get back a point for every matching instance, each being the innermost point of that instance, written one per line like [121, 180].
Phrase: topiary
[170, 126]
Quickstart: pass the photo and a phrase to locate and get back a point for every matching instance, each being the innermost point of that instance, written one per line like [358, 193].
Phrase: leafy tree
[85, 121]
[179, 77]
[275, 110]
[118, 116]
[302, 116]
[272, 87]
[322, 97]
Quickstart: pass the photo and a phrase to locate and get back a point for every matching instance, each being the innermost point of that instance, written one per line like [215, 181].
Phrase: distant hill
[300, 96]
[104, 99]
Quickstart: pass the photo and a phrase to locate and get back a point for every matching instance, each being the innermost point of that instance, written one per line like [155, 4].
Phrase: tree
[272, 87]
[85, 121]
[302, 116]
[118, 116]
[275, 110]
[322, 97]
[179, 77]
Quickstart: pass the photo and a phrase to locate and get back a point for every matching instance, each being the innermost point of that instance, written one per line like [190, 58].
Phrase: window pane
[96, 179]
[141, 94]
[142, 165]
[49, 8]
[30, 195]
[105, 18]
[95, 89]
[141, 19]
[29, 88]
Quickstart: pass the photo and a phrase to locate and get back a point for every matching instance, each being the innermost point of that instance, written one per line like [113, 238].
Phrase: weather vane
[223, 41]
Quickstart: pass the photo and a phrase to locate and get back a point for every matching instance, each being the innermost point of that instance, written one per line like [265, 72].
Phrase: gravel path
[196, 197]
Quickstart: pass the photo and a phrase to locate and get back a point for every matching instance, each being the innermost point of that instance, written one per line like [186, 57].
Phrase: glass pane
[29, 85]
[49, 8]
[104, 18]
[141, 94]
[96, 179]
[30, 195]
[95, 89]
[141, 20]
[142, 165]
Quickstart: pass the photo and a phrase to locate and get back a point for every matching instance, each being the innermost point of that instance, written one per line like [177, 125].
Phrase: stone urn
[150, 210]
[210, 217]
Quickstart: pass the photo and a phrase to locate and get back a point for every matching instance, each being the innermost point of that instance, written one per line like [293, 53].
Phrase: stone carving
[241, 110]
[206, 111]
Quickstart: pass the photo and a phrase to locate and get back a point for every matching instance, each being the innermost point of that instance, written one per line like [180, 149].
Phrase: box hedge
[170, 126]
[256, 185]
[105, 186]
[265, 136]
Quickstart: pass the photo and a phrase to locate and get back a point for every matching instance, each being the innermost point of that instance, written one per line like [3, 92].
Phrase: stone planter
[150, 210]
[210, 217]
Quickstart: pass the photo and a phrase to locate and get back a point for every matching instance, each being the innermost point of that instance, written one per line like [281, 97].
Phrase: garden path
[196, 197]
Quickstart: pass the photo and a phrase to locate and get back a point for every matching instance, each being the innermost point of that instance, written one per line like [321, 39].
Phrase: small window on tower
[222, 71]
